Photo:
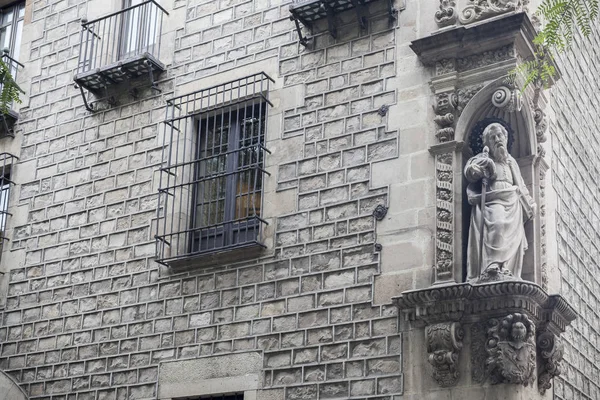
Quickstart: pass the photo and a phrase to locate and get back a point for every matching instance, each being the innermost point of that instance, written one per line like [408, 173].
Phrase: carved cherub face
[518, 332]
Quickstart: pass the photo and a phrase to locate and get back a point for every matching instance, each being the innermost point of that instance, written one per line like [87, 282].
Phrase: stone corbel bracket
[439, 308]
[444, 342]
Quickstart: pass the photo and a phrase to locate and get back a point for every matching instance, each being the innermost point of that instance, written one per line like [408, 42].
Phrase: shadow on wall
[9, 388]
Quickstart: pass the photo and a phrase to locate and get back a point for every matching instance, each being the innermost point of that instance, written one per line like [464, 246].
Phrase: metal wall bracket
[87, 105]
[8, 123]
[330, 20]
[393, 11]
[359, 6]
[304, 40]
[151, 76]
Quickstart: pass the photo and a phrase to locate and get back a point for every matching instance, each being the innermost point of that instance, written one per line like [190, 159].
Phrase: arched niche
[490, 102]
[522, 122]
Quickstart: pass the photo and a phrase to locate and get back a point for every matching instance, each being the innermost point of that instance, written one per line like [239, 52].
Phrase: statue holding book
[501, 204]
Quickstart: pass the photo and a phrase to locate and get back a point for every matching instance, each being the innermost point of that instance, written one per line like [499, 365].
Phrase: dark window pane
[11, 28]
[229, 175]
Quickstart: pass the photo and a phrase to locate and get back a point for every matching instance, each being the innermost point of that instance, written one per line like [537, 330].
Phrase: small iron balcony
[9, 118]
[120, 46]
[308, 12]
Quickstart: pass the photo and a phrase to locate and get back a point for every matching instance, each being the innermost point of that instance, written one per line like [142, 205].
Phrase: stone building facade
[361, 201]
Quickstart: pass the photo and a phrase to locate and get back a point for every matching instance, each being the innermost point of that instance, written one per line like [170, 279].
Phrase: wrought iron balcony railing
[9, 119]
[120, 46]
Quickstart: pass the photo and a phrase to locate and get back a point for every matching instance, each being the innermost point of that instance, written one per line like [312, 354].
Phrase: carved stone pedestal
[497, 340]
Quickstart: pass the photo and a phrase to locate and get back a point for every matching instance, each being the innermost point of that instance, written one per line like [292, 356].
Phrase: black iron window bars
[7, 161]
[307, 12]
[212, 181]
[10, 116]
[120, 46]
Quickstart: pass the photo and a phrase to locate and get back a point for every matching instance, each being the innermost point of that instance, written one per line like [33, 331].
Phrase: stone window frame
[224, 396]
[211, 376]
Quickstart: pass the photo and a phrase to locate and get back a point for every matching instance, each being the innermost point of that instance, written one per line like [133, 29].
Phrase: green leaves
[10, 90]
[563, 18]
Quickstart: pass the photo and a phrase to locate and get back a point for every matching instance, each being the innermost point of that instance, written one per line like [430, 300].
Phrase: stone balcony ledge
[469, 302]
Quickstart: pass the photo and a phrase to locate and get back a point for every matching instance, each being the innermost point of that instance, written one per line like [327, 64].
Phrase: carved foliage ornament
[541, 125]
[446, 15]
[444, 236]
[445, 66]
[465, 95]
[510, 348]
[551, 352]
[480, 9]
[486, 58]
[444, 342]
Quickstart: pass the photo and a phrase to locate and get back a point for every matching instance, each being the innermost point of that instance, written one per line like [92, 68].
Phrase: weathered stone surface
[90, 314]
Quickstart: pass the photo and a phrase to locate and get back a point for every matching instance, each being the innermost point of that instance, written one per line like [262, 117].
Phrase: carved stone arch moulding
[494, 100]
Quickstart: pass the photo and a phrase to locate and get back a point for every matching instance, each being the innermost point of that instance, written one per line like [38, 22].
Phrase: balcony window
[212, 182]
[119, 47]
[11, 28]
[9, 116]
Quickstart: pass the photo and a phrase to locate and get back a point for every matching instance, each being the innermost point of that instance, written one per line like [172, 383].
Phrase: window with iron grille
[11, 30]
[6, 162]
[211, 186]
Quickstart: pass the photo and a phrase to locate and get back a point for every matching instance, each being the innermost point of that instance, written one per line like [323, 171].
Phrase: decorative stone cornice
[465, 41]
[470, 302]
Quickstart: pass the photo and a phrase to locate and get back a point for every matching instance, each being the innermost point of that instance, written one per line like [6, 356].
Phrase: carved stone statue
[500, 206]
[511, 349]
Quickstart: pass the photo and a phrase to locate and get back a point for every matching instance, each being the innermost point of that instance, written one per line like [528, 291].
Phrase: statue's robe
[507, 206]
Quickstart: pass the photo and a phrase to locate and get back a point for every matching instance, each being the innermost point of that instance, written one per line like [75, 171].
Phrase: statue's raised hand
[481, 166]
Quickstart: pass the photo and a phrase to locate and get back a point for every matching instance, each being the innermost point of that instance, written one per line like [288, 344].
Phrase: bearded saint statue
[497, 241]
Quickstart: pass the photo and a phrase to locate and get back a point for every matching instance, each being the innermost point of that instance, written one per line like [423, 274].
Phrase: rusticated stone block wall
[89, 316]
